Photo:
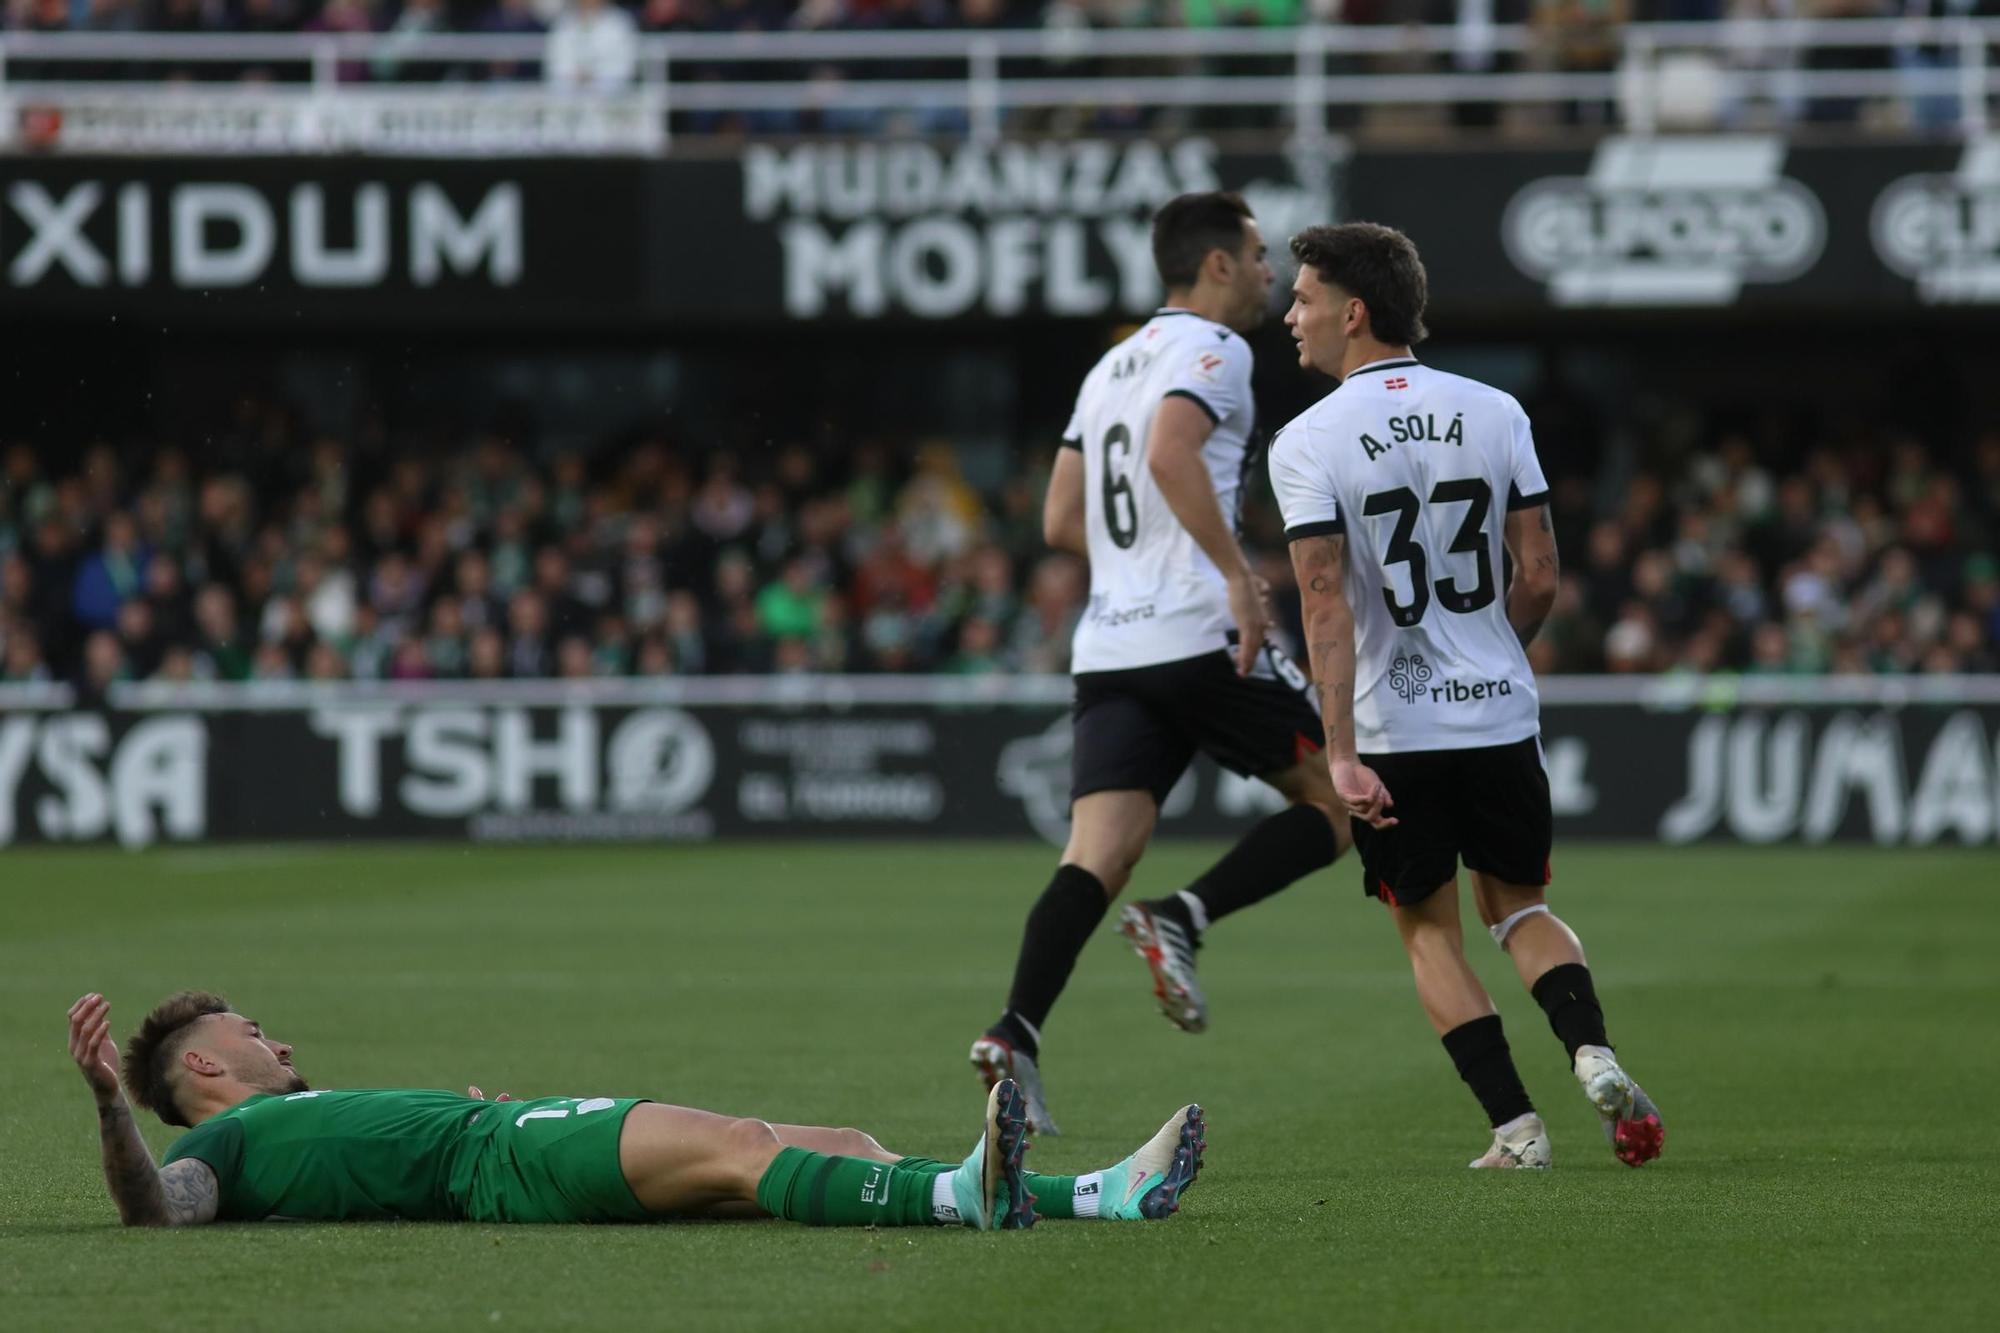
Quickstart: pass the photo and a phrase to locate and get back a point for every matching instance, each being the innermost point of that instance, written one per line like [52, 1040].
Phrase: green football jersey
[365, 1153]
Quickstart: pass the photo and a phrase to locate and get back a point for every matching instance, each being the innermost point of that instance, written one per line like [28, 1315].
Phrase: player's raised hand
[1362, 792]
[1247, 607]
[90, 1045]
[474, 1093]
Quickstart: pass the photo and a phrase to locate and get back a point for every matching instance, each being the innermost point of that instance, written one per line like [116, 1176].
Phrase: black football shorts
[1488, 807]
[1138, 729]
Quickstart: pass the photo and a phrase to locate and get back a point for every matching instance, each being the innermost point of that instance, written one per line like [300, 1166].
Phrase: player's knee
[1503, 907]
[857, 1143]
[751, 1142]
[1111, 864]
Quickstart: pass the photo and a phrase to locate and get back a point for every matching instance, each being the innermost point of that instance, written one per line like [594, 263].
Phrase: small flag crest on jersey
[1207, 364]
[1396, 382]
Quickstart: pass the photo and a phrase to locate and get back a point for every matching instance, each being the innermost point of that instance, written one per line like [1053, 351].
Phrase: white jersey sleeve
[1527, 487]
[1306, 497]
[1215, 374]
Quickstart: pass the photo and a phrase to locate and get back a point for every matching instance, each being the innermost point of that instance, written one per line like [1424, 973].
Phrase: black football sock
[1059, 925]
[1284, 848]
[1180, 909]
[1570, 1000]
[1479, 1049]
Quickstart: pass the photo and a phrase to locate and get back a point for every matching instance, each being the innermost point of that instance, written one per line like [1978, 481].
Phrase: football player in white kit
[1400, 490]
[1170, 657]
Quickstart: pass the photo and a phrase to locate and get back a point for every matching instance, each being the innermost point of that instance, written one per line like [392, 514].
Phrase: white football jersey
[1155, 596]
[1419, 468]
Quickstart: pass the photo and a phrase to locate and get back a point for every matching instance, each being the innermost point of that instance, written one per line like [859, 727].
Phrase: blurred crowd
[272, 561]
[810, 15]
[271, 558]
[1868, 558]
[592, 44]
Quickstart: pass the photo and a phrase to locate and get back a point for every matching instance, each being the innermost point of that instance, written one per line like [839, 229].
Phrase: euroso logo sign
[1678, 222]
[1943, 231]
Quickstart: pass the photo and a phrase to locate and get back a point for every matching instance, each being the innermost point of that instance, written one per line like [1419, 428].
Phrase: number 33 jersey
[1155, 596]
[1418, 469]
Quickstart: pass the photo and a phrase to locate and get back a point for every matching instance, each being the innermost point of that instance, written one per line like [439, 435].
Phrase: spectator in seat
[593, 48]
[419, 19]
[511, 18]
[340, 16]
[488, 657]
[103, 666]
[22, 662]
[111, 575]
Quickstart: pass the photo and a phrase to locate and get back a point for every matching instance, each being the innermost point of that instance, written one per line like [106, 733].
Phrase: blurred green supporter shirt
[1227, 13]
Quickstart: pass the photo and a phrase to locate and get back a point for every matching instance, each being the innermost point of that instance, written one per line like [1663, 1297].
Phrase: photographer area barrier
[1888, 761]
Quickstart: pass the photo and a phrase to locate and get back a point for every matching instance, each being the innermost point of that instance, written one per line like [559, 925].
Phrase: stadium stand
[276, 557]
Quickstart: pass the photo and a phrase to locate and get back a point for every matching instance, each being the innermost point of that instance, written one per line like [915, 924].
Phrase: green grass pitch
[1821, 1028]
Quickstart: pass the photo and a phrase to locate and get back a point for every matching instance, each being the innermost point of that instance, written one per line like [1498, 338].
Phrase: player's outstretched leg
[1147, 1186]
[1108, 834]
[681, 1162]
[1280, 851]
[1463, 1015]
[1550, 961]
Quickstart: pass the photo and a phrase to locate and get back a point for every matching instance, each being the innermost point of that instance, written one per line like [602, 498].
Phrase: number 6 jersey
[1418, 469]
[1155, 596]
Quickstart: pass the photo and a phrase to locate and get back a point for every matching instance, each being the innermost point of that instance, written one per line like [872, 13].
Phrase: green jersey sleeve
[219, 1143]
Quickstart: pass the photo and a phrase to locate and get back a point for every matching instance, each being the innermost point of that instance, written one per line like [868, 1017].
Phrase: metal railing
[335, 91]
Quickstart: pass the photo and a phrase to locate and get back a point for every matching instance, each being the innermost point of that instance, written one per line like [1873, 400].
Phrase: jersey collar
[1173, 310]
[1393, 363]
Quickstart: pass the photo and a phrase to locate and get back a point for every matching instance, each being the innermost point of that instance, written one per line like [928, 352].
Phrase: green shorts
[553, 1159]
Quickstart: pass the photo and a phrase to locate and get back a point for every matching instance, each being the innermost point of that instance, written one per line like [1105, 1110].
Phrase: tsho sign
[1667, 222]
[1766, 778]
[65, 778]
[1943, 231]
[1060, 228]
[202, 235]
[516, 772]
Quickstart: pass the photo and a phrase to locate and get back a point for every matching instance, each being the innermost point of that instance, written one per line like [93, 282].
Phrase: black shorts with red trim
[1139, 728]
[1488, 807]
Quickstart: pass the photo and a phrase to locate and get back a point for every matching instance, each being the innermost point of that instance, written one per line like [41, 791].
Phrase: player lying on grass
[263, 1144]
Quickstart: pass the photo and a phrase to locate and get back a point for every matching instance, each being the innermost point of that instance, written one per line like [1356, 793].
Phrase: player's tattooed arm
[1531, 541]
[145, 1196]
[1320, 563]
[192, 1193]
[181, 1194]
[184, 1193]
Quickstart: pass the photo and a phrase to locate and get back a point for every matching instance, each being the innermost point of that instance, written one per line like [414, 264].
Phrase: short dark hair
[1188, 226]
[1378, 264]
[150, 1055]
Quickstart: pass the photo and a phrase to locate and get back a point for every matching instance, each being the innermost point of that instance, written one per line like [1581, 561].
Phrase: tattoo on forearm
[128, 1167]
